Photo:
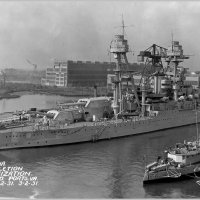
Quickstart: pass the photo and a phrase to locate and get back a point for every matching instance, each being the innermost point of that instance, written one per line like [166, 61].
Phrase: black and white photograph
[99, 99]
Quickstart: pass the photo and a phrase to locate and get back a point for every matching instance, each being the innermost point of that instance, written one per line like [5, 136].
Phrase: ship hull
[177, 174]
[28, 136]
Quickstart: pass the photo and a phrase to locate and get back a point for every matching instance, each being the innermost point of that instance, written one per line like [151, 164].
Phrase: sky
[42, 31]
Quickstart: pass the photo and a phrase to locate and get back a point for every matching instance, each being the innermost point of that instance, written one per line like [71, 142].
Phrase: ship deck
[30, 126]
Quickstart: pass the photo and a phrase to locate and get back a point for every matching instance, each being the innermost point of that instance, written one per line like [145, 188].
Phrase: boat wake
[35, 194]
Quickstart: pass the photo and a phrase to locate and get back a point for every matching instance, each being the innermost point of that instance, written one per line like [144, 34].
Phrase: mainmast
[174, 57]
[123, 26]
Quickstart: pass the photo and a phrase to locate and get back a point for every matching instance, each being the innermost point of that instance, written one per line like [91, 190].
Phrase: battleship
[160, 101]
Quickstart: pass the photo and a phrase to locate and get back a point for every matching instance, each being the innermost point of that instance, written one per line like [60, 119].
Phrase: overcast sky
[41, 31]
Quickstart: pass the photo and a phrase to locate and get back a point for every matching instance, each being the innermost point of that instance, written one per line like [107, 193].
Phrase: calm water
[31, 101]
[105, 169]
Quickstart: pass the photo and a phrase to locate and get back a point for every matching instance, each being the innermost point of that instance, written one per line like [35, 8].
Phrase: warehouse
[85, 74]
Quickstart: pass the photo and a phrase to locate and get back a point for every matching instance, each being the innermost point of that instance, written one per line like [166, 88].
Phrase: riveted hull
[22, 137]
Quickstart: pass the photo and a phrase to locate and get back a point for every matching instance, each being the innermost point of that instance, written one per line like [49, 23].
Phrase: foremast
[119, 47]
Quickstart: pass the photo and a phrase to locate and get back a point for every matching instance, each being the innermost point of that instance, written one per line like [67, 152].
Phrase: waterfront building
[81, 74]
[56, 75]
[69, 73]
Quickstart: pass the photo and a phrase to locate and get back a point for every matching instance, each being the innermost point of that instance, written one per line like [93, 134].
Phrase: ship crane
[153, 68]
[153, 62]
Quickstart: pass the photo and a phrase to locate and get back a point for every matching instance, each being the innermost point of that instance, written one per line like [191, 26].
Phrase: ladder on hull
[172, 173]
[96, 136]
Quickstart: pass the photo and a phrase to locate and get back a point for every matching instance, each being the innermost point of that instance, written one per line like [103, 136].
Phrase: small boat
[182, 161]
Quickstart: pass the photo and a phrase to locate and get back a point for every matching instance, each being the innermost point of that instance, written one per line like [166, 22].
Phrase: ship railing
[173, 173]
[37, 126]
[15, 124]
[58, 125]
[134, 119]
[10, 119]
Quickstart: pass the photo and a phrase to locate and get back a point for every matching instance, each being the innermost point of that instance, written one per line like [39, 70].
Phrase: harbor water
[105, 169]
[28, 101]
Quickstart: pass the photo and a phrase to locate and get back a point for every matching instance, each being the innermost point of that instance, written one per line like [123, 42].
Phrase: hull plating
[89, 131]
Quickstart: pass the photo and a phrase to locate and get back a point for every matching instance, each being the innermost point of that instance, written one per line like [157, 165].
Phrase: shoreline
[17, 90]
[21, 93]
[18, 94]
[9, 96]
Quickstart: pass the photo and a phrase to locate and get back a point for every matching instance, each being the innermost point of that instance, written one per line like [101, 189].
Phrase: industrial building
[81, 74]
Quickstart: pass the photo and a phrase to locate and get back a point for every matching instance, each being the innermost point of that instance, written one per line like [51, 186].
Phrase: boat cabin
[187, 153]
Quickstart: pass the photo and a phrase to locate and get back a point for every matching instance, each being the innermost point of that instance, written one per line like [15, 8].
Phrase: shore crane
[34, 65]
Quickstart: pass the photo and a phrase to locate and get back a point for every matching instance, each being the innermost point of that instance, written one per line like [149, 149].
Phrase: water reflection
[32, 101]
[106, 169]
[180, 189]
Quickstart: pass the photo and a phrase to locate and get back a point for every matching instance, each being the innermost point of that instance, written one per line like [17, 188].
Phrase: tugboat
[182, 161]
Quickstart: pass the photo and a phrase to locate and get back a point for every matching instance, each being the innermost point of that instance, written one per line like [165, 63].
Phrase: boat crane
[153, 68]
[153, 60]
